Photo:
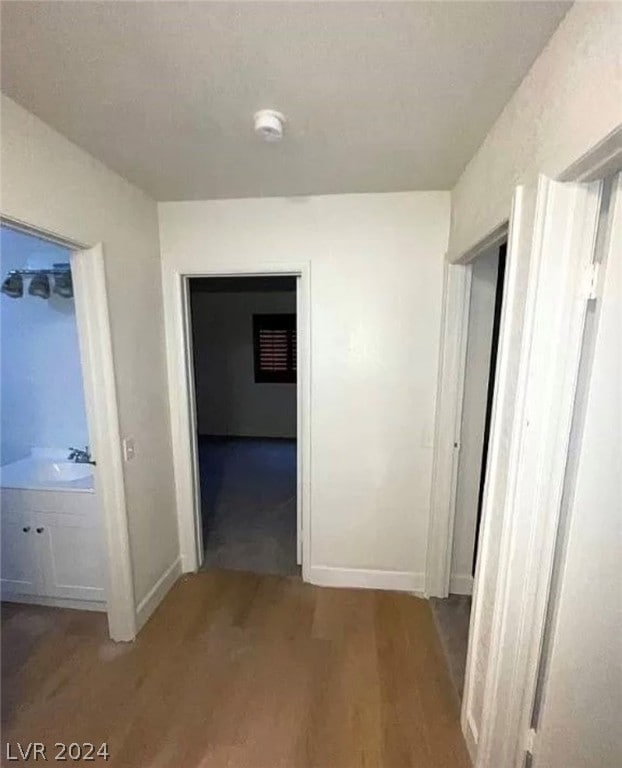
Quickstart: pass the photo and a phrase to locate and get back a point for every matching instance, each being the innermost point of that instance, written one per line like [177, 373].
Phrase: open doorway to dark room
[244, 350]
[485, 306]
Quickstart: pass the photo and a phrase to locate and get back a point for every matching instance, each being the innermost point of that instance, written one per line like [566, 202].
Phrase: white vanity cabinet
[52, 549]
[19, 568]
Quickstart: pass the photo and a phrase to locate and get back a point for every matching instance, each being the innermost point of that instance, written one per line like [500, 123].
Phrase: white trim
[563, 241]
[449, 397]
[461, 584]
[399, 581]
[602, 160]
[300, 331]
[495, 237]
[181, 419]
[157, 593]
[180, 398]
[91, 302]
[192, 418]
[57, 602]
[303, 430]
[40, 234]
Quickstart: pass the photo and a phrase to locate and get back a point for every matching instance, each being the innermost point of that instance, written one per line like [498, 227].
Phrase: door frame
[183, 406]
[555, 299]
[520, 573]
[456, 300]
[544, 639]
[100, 395]
[498, 722]
[601, 160]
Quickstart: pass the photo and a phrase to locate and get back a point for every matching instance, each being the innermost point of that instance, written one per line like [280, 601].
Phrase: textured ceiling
[379, 96]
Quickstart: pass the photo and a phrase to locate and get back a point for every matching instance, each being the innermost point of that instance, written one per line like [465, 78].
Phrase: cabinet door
[19, 570]
[71, 552]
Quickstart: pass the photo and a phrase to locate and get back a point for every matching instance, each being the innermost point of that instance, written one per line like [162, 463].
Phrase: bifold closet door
[549, 282]
[578, 722]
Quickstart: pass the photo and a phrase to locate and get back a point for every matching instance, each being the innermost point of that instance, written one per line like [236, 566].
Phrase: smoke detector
[269, 124]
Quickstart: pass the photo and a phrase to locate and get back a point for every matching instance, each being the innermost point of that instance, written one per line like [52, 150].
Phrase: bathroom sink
[63, 471]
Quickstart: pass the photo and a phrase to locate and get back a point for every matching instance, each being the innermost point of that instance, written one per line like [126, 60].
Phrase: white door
[547, 286]
[71, 554]
[579, 718]
[19, 568]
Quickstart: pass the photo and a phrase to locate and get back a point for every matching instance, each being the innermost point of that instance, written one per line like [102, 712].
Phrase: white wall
[229, 401]
[53, 185]
[42, 399]
[569, 101]
[376, 264]
[476, 375]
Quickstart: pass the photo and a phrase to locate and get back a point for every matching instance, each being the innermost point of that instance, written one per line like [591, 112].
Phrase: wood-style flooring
[236, 670]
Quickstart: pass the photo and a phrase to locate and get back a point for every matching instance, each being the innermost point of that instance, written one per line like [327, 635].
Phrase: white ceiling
[379, 96]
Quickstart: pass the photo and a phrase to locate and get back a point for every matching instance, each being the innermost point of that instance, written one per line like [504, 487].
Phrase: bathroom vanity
[52, 548]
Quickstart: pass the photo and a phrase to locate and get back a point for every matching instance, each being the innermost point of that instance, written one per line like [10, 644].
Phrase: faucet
[80, 456]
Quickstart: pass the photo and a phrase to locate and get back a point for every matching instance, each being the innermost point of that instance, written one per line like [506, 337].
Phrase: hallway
[239, 671]
[248, 499]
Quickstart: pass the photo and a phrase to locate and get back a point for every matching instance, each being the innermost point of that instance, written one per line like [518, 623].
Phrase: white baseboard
[56, 602]
[461, 584]
[156, 594]
[400, 581]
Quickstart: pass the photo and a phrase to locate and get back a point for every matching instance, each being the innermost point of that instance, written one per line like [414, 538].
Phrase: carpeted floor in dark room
[248, 495]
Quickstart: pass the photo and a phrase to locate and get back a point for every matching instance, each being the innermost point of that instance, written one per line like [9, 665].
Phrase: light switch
[129, 448]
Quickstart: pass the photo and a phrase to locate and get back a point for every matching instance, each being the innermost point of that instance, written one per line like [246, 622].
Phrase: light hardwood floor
[237, 670]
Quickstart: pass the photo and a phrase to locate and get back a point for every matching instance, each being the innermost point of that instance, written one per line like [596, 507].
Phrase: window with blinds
[274, 343]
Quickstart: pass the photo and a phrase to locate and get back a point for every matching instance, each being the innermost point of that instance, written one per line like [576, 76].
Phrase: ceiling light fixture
[269, 124]
[40, 285]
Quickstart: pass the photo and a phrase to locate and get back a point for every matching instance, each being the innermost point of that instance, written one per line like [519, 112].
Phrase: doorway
[53, 549]
[490, 388]
[452, 614]
[244, 372]
[52, 541]
[77, 555]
